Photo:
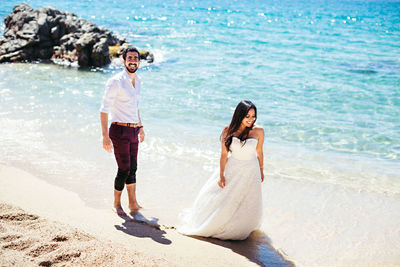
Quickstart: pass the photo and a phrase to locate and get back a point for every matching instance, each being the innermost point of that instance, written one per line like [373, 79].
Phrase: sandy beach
[27, 239]
[44, 225]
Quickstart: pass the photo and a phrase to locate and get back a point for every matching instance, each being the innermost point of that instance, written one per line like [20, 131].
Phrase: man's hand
[221, 182]
[141, 134]
[107, 144]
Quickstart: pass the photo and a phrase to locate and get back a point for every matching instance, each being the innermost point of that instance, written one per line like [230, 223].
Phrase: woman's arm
[223, 159]
[260, 153]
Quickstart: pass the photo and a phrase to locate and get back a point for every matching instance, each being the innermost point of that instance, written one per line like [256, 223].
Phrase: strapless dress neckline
[246, 139]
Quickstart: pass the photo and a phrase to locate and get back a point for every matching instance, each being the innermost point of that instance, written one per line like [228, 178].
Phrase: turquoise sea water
[325, 76]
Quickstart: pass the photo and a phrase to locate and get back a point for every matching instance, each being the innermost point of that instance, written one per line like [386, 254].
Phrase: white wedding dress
[234, 211]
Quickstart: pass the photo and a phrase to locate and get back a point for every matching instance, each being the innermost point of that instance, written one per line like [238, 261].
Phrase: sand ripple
[28, 240]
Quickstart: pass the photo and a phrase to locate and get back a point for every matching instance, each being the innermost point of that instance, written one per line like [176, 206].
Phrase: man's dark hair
[130, 49]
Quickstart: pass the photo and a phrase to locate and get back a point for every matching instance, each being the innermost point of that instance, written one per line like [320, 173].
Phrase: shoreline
[142, 235]
[305, 224]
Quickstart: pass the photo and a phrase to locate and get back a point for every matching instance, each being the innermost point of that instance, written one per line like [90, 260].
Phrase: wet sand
[45, 225]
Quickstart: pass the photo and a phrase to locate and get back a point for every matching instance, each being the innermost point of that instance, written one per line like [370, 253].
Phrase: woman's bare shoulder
[258, 130]
[225, 131]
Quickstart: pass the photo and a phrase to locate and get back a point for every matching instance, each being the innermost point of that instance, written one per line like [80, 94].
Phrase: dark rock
[147, 56]
[55, 32]
[48, 33]
[100, 53]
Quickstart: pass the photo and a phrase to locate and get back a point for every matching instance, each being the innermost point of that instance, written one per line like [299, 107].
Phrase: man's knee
[121, 179]
[131, 179]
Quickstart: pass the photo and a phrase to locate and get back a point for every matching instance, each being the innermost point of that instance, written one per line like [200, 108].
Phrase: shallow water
[323, 74]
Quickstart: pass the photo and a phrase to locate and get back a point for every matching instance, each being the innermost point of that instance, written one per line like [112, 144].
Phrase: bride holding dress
[230, 207]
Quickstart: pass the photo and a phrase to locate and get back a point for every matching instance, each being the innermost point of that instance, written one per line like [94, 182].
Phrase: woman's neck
[241, 129]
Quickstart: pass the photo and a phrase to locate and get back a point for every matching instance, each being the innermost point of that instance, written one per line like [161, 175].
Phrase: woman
[231, 207]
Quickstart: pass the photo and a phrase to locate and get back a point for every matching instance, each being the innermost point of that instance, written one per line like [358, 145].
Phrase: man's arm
[107, 144]
[141, 131]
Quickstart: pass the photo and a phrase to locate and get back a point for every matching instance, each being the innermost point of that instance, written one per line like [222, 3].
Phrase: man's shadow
[139, 226]
[256, 248]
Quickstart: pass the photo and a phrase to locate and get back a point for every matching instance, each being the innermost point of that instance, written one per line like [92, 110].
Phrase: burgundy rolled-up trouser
[125, 141]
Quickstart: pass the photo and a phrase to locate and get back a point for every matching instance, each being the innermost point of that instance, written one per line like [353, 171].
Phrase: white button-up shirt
[121, 98]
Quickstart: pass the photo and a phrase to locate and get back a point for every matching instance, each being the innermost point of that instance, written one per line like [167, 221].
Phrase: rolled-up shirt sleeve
[109, 96]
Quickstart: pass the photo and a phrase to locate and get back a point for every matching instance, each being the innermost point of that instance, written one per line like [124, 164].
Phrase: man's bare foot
[135, 207]
[119, 210]
[133, 213]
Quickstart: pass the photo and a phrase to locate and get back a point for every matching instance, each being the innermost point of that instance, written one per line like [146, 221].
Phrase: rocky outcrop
[48, 33]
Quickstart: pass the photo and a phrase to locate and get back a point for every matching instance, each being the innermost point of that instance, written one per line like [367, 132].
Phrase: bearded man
[121, 101]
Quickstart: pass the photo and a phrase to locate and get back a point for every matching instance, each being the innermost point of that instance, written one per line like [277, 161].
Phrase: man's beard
[129, 70]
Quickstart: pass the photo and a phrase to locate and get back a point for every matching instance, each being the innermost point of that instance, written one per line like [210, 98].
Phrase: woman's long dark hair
[240, 113]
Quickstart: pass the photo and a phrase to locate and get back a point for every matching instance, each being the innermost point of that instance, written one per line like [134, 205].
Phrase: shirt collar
[126, 76]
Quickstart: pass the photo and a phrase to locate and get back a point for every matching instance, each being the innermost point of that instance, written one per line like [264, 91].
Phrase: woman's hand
[221, 182]
[262, 175]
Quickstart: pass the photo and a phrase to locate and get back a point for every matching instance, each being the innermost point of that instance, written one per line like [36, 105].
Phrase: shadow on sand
[257, 248]
[141, 227]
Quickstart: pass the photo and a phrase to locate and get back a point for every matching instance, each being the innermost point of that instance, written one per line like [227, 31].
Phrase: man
[121, 101]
